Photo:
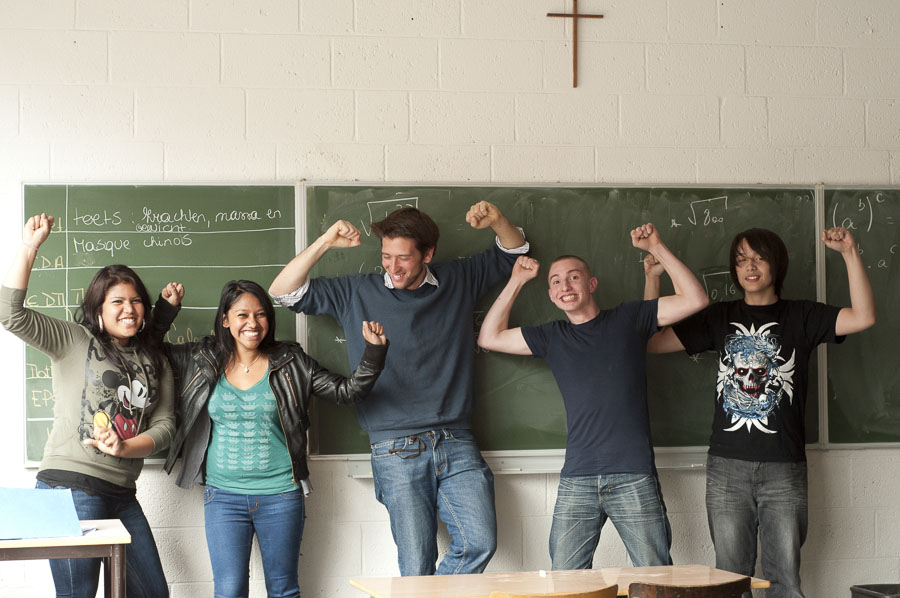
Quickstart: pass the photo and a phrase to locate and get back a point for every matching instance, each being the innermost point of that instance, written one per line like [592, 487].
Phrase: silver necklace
[247, 367]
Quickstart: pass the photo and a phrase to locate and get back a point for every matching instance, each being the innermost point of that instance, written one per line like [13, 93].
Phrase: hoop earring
[100, 322]
[143, 325]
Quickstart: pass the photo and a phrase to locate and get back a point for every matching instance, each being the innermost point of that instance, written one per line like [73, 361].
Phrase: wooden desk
[534, 582]
[107, 541]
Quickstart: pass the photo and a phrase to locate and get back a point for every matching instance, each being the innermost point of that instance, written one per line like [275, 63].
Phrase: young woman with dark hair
[243, 420]
[113, 406]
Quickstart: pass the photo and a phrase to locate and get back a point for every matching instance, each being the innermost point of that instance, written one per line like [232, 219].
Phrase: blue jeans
[231, 520]
[746, 497]
[144, 575]
[632, 501]
[439, 470]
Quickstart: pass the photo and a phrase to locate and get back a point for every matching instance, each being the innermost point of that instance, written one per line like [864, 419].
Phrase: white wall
[677, 91]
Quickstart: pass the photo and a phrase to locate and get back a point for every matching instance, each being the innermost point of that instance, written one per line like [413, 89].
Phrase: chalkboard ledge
[533, 462]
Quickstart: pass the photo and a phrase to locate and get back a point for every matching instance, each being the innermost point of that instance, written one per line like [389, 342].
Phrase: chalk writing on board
[45, 299]
[33, 371]
[182, 241]
[719, 286]
[110, 246]
[182, 215]
[42, 397]
[708, 211]
[99, 219]
[376, 269]
[860, 215]
[46, 263]
[378, 210]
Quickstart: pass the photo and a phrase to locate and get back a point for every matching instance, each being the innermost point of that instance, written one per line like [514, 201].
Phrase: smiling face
[572, 287]
[247, 322]
[404, 262]
[122, 312]
[754, 273]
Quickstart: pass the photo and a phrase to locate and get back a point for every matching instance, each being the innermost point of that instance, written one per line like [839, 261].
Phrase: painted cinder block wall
[671, 91]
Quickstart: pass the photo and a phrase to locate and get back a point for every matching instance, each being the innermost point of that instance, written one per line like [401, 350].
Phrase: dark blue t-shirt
[600, 368]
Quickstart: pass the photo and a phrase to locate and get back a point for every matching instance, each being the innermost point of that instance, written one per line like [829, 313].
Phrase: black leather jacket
[293, 376]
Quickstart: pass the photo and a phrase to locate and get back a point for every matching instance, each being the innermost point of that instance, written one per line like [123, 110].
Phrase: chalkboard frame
[539, 461]
[298, 204]
[550, 460]
[826, 421]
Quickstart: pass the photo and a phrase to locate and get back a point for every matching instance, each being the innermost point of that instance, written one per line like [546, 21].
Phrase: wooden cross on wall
[574, 15]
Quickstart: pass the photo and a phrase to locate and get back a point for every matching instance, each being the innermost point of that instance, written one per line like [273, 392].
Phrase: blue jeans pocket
[292, 495]
[209, 493]
[460, 435]
[405, 447]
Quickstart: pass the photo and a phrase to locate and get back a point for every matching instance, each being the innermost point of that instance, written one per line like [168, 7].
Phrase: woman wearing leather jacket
[243, 399]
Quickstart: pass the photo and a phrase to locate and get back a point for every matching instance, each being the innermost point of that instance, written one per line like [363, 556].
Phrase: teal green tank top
[247, 453]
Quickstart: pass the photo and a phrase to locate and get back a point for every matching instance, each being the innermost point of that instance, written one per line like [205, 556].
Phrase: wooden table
[107, 541]
[541, 582]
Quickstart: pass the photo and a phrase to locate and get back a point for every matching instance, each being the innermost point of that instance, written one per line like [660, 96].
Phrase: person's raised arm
[354, 388]
[36, 231]
[495, 333]
[294, 274]
[689, 296]
[861, 313]
[664, 341]
[653, 272]
[485, 214]
[166, 309]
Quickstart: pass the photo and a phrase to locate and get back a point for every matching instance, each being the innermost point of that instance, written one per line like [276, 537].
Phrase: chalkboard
[202, 236]
[518, 404]
[864, 371]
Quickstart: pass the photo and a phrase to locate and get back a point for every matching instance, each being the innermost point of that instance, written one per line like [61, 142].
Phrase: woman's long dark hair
[231, 292]
[88, 314]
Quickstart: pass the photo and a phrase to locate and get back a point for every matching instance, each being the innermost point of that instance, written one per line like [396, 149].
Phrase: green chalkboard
[863, 372]
[202, 236]
[518, 403]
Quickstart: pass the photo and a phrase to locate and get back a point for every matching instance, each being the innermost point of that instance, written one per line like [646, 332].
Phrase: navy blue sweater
[427, 380]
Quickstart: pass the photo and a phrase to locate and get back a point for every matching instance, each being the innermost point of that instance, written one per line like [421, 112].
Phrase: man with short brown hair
[418, 416]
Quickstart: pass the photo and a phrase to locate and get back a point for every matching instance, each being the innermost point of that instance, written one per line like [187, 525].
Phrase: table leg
[115, 572]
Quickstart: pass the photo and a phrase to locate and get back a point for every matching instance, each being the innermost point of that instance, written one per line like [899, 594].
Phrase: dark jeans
[744, 498]
[440, 470]
[144, 577]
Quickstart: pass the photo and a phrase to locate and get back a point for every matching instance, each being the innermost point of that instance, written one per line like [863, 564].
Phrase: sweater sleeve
[328, 296]
[45, 333]
[486, 269]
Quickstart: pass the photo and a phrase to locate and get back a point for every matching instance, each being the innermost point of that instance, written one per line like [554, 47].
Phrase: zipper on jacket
[287, 375]
[287, 442]
[191, 381]
[200, 373]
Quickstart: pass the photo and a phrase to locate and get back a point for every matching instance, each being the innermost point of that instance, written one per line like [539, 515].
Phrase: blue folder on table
[37, 513]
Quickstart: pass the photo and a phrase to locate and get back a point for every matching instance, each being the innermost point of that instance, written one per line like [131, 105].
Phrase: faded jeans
[633, 502]
[442, 471]
[746, 497]
[231, 521]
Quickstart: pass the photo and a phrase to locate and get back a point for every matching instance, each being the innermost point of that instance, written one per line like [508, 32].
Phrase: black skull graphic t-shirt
[761, 385]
